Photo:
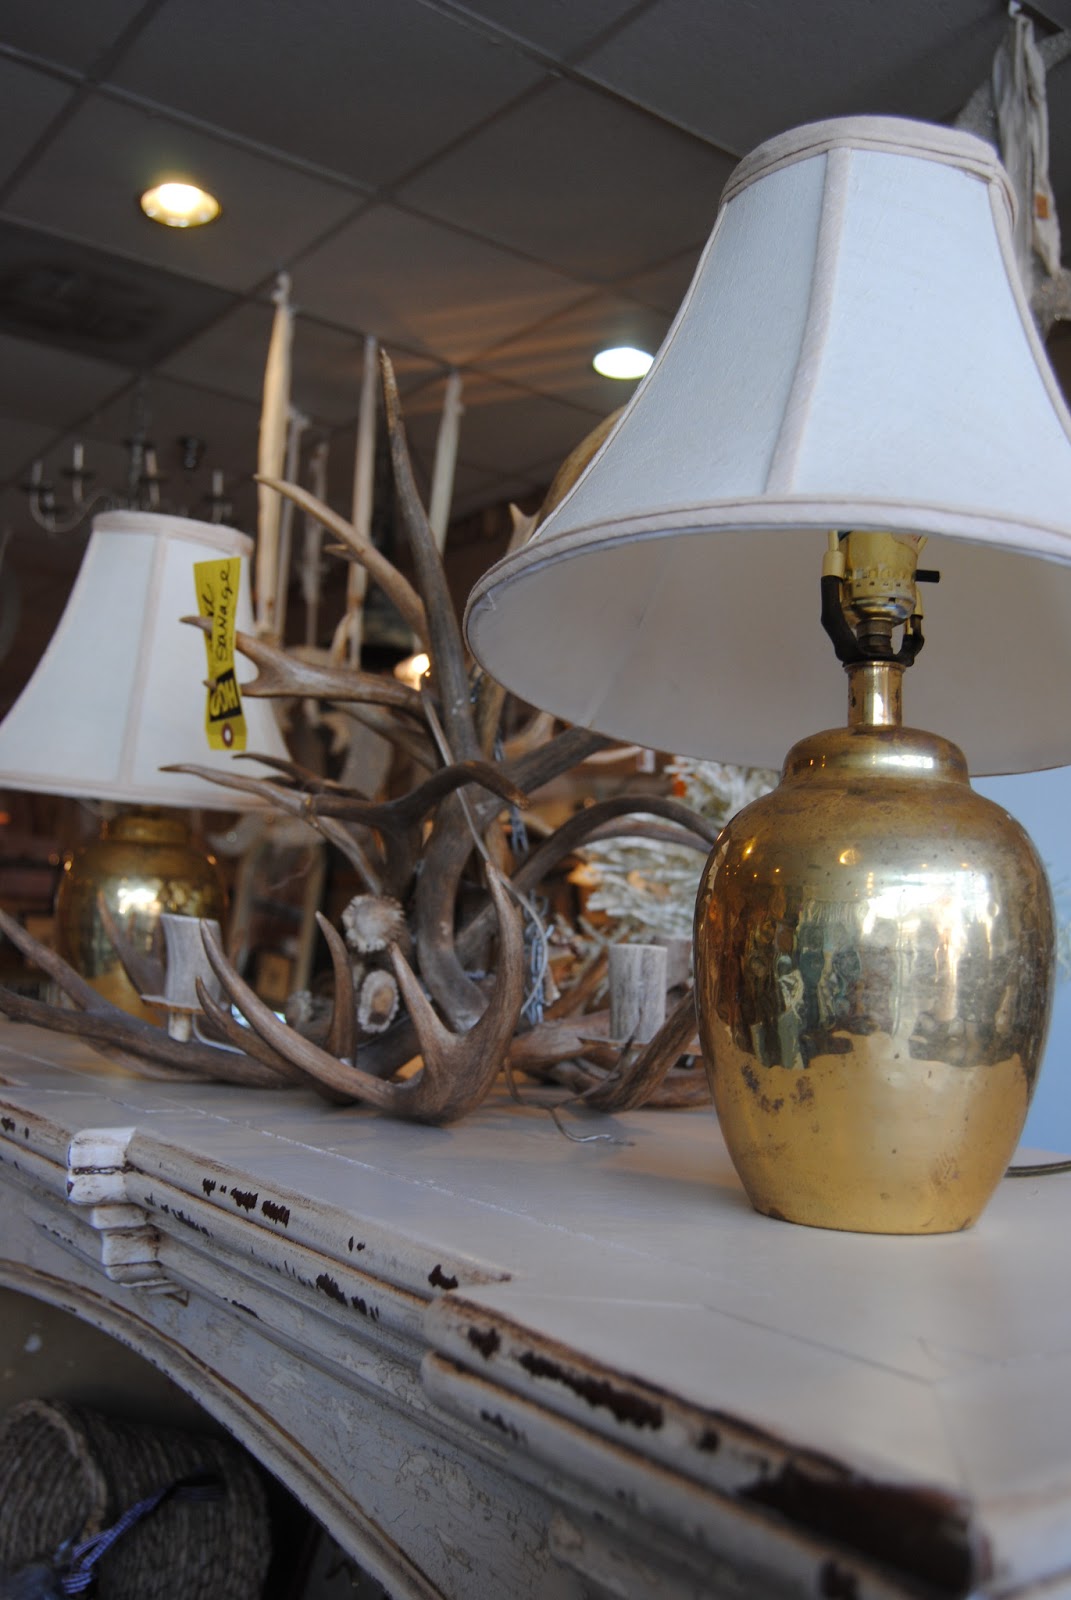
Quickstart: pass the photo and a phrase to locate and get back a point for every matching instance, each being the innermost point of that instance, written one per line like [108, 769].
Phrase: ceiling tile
[323, 78]
[578, 180]
[52, 387]
[526, 491]
[20, 443]
[735, 74]
[326, 362]
[98, 304]
[29, 101]
[503, 430]
[432, 290]
[228, 426]
[87, 182]
[556, 357]
[560, 27]
[73, 35]
[665, 286]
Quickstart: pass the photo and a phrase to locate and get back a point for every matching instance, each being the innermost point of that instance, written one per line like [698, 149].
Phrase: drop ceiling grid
[35, 200]
[372, 144]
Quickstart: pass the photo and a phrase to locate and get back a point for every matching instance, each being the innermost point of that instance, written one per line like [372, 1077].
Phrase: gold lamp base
[874, 956]
[143, 864]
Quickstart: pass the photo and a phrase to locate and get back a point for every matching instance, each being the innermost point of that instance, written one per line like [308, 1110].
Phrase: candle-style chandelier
[144, 487]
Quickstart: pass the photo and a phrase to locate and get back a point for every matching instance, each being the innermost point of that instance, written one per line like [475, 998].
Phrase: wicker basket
[67, 1473]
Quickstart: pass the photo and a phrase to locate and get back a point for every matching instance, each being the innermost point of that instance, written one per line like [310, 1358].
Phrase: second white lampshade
[120, 690]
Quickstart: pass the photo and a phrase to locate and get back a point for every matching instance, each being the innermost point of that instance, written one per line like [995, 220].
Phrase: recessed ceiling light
[622, 362]
[180, 205]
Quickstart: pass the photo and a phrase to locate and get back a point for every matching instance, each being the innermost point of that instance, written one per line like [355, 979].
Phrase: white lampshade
[120, 690]
[855, 351]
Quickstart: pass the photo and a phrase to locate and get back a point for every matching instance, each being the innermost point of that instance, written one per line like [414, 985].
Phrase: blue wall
[1042, 803]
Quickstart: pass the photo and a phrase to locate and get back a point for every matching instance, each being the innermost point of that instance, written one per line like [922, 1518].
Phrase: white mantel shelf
[498, 1363]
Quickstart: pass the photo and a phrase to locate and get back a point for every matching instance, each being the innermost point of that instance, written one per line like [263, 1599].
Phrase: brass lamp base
[143, 864]
[874, 955]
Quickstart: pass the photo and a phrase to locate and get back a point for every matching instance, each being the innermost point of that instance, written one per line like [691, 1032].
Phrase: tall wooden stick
[271, 452]
[446, 442]
[363, 482]
[298, 424]
[311, 567]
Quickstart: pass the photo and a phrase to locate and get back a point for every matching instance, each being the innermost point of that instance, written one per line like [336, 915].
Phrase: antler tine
[346, 1081]
[361, 550]
[337, 834]
[487, 711]
[291, 771]
[559, 1039]
[402, 814]
[102, 1033]
[282, 676]
[444, 634]
[224, 1026]
[432, 1035]
[74, 986]
[459, 1069]
[145, 972]
[547, 761]
[341, 1039]
[288, 800]
[635, 1082]
[446, 853]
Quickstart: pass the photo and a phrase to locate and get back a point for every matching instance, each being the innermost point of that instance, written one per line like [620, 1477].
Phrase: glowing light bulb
[623, 361]
[180, 205]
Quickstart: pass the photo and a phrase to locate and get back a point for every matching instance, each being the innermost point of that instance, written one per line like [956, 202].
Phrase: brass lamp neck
[875, 694]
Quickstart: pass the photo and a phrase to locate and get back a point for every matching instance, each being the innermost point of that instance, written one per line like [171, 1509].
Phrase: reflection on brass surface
[874, 952]
[143, 864]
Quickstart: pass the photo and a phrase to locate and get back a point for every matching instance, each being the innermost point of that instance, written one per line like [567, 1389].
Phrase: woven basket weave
[67, 1473]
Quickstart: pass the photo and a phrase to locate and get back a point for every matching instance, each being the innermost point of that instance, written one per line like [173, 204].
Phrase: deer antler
[444, 634]
[458, 1069]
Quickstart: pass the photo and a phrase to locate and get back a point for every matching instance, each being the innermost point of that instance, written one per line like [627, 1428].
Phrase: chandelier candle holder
[854, 375]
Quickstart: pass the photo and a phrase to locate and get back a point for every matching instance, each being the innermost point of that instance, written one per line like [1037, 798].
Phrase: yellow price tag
[217, 599]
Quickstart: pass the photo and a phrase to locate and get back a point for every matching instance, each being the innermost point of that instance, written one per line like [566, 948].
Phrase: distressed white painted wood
[495, 1362]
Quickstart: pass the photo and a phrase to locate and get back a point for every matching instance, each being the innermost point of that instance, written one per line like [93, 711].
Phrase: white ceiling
[497, 185]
